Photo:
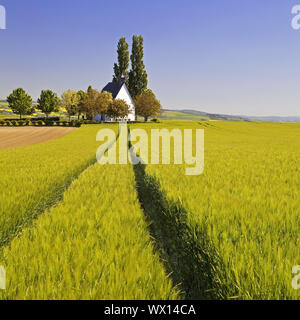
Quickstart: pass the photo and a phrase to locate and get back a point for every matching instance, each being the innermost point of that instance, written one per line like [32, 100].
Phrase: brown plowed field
[17, 137]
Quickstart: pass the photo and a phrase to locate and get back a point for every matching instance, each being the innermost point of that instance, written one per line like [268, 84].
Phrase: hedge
[39, 123]
[55, 119]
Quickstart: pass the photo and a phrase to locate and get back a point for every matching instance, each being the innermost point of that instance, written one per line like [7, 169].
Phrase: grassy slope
[177, 115]
[190, 116]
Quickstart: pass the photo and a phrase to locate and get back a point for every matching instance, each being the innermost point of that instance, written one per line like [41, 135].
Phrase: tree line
[93, 102]
[74, 103]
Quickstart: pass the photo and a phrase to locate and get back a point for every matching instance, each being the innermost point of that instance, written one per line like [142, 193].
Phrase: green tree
[96, 102]
[89, 102]
[121, 69]
[147, 105]
[118, 109]
[104, 101]
[48, 102]
[70, 101]
[20, 102]
[138, 78]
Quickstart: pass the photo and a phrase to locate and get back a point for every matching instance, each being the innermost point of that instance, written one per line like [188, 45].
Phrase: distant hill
[195, 115]
[276, 119]
[179, 115]
[202, 116]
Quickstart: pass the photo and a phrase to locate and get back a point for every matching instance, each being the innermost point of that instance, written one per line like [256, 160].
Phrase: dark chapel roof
[114, 87]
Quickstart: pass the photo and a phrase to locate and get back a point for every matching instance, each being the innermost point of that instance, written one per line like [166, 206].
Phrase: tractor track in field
[41, 207]
[44, 205]
[187, 254]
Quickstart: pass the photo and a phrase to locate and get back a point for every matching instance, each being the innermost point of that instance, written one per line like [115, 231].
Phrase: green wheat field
[71, 228]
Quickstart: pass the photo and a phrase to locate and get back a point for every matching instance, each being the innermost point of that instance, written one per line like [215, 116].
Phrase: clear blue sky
[222, 56]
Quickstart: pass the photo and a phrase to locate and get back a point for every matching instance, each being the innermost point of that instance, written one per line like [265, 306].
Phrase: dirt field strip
[18, 137]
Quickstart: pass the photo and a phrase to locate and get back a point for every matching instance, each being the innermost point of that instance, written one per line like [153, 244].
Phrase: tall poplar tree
[138, 78]
[121, 69]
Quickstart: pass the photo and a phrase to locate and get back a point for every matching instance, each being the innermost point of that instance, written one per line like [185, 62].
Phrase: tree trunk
[146, 119]
[20, 116]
